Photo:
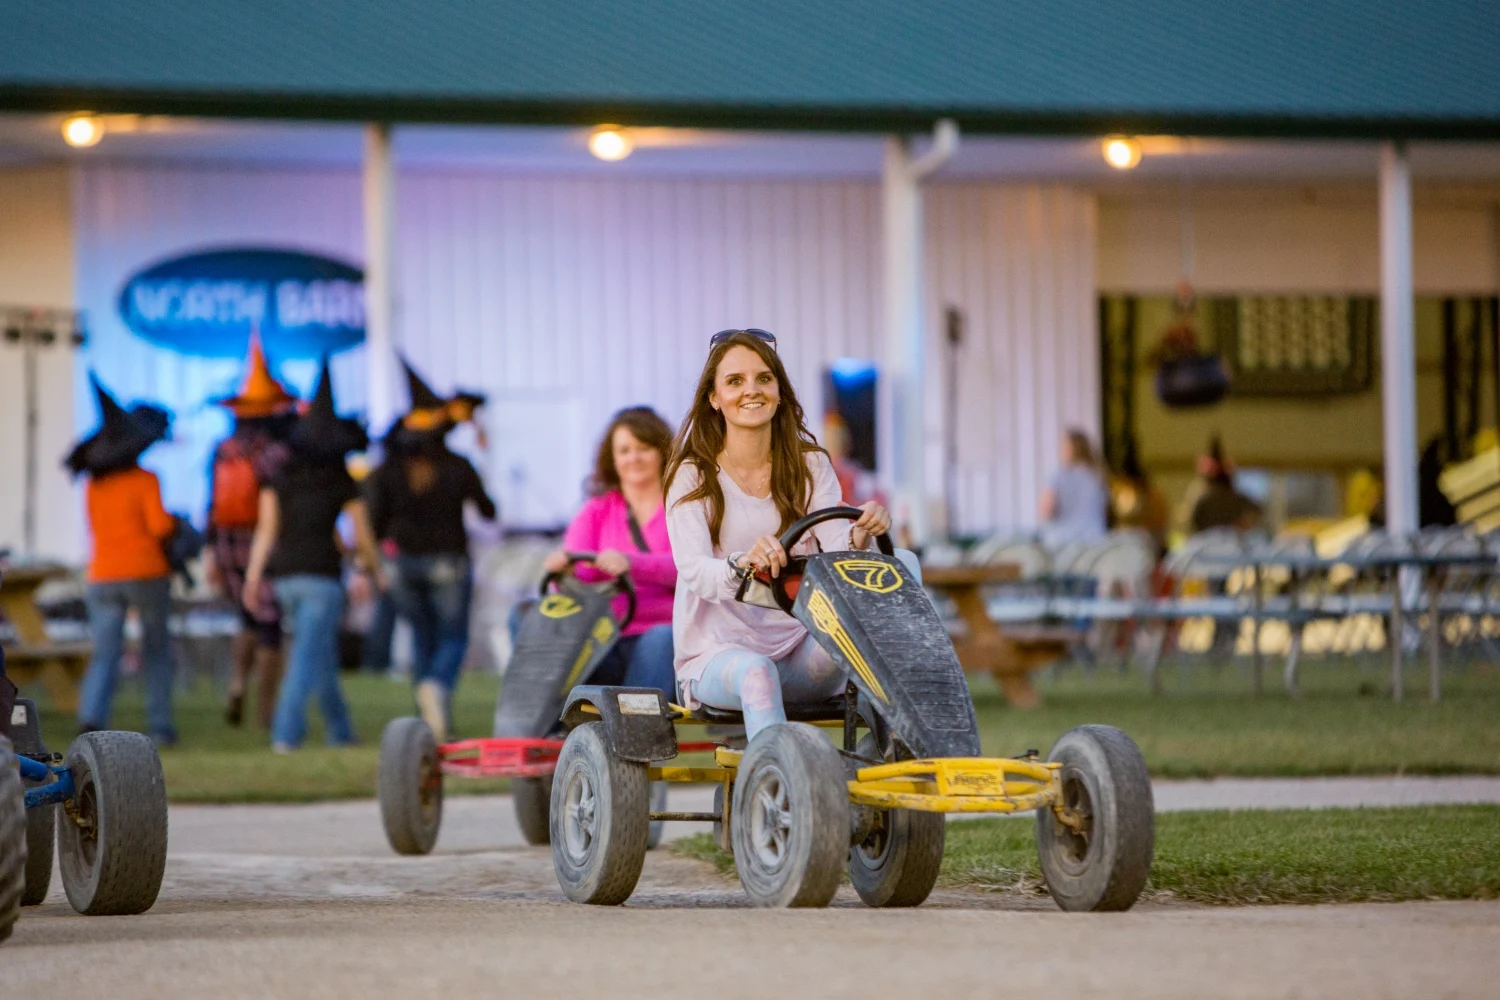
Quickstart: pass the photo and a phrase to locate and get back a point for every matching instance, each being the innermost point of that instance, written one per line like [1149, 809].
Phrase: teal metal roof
[1418, 68]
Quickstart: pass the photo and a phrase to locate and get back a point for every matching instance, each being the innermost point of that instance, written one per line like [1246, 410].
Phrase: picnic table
[1008, 654]
[1433, 568]
[34, 656]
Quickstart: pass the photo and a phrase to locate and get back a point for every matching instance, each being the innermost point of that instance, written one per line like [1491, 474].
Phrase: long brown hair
[647, 427]
[701, 438]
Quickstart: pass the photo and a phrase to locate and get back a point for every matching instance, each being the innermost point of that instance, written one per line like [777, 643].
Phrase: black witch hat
[122, 437]
[320, 433]
[431, 416]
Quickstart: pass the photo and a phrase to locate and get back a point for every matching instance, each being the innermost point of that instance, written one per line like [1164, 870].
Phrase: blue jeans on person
[433, 593]
[642, 660]
[377, 650]
[108, 604]
[312, 608]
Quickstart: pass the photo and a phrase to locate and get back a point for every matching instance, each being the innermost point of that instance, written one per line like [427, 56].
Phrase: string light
[609, 143]
[1122, 153]
[82, 130]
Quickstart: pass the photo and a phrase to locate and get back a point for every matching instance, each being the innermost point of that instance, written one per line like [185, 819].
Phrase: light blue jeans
[312, 607]
[759, 686]
[108, 604]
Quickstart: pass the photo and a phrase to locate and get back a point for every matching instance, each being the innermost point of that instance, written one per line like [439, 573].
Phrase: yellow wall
[36, 269]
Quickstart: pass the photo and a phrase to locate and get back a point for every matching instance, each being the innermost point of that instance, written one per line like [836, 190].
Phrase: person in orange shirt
[128, 567]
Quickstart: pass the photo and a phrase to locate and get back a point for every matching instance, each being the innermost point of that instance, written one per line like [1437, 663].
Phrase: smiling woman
[744, 467]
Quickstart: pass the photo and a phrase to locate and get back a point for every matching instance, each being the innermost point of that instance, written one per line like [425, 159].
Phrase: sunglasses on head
[765, 336]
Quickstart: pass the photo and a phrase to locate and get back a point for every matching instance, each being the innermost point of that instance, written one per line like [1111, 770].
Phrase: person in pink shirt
[743, 469]
[624, 522]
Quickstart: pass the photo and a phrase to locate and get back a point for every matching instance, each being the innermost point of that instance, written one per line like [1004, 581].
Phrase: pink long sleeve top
[706, 619]
[604, 523]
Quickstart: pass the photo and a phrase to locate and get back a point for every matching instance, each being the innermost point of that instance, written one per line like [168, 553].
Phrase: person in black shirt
[417, 498]
[296, 544]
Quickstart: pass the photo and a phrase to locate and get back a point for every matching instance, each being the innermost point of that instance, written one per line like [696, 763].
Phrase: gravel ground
[308, 901]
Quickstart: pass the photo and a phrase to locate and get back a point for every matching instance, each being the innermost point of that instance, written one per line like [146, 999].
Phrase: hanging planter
[1187, 376]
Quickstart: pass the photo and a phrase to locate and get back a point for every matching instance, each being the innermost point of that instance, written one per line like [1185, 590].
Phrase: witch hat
[122, 437]
[320, 433]
[431, 414]
[260, 394]
[422, 395]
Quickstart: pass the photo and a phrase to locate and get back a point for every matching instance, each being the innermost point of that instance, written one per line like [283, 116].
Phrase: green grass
[1208, 723]
[1241, 858]
[214, 763]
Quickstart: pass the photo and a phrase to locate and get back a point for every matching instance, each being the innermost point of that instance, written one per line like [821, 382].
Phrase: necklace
[753, 485]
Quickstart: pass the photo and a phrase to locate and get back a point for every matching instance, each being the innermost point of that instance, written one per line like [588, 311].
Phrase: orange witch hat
[260, 395]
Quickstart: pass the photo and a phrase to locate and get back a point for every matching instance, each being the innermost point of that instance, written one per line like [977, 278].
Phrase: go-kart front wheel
[790, 817]
[410, 785]
[600, 819]
[112, 849]
[12, 839]
[1097, 855]
[897, 862]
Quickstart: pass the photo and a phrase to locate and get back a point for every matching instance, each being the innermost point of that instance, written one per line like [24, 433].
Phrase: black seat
[831, 710]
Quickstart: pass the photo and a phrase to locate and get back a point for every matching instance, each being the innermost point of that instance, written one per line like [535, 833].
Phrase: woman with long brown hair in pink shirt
[744, 467]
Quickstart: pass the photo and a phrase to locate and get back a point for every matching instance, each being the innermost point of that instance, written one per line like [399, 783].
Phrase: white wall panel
[127, 218]
[1019, 263]
[595, 294]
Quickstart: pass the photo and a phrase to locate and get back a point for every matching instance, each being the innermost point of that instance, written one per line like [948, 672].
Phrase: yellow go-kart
[797, 811]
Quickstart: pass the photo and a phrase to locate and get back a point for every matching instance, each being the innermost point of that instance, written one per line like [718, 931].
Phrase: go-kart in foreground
[797, 809]
[106, 802]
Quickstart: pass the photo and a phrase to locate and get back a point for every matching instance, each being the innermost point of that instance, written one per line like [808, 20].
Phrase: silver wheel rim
[580, 817]
[770, 819]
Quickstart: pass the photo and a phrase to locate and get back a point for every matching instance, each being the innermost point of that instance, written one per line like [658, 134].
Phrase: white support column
[902, 433]
[380, 270]
[1397, 342]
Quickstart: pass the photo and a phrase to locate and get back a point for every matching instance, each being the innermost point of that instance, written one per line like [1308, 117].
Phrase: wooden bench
[1009, 653]
[1473, 487]
[59, 666]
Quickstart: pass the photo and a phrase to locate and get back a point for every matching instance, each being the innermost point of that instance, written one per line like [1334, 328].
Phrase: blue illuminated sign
[204, 304]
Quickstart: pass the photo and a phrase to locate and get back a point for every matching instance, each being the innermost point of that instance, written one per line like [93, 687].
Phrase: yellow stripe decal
[584, 655]
[827, 621]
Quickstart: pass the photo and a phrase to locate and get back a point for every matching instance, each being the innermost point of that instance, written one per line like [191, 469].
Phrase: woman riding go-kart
[783, 618]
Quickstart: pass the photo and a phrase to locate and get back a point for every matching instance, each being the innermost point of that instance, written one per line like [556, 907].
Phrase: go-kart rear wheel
[600, 819]
[532, 798]
[790, 818]
[410, 785]
[12, 839]
[1098, 855]
[41, 835]
[897, 863]
[112, 849]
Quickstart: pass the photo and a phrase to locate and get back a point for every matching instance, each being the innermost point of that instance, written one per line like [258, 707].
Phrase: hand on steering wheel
[766, 555]
[875, 520]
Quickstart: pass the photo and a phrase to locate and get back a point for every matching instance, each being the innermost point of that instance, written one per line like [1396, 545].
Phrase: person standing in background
[296, 545]
[263, 415]
[417, 499]
[128, 566]
[1220, 505]
[1075, 506]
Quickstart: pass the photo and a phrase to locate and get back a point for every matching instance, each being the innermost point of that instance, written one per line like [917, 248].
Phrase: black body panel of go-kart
[563, 637]
[873, 618]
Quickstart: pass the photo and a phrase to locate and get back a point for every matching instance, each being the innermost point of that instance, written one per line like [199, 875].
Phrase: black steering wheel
[621, 583]
[785, 586]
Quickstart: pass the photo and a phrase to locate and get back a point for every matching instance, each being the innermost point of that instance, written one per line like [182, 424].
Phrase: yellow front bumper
[958, 785]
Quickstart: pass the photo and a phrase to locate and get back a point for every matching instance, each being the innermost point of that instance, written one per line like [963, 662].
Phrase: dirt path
[308, 901]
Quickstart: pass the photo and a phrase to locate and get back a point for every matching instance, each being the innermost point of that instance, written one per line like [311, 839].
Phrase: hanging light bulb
[610, 143]
[1122, 153]
[82, 130]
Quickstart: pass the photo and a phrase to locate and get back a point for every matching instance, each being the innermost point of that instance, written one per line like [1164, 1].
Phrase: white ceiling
[685, 152]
